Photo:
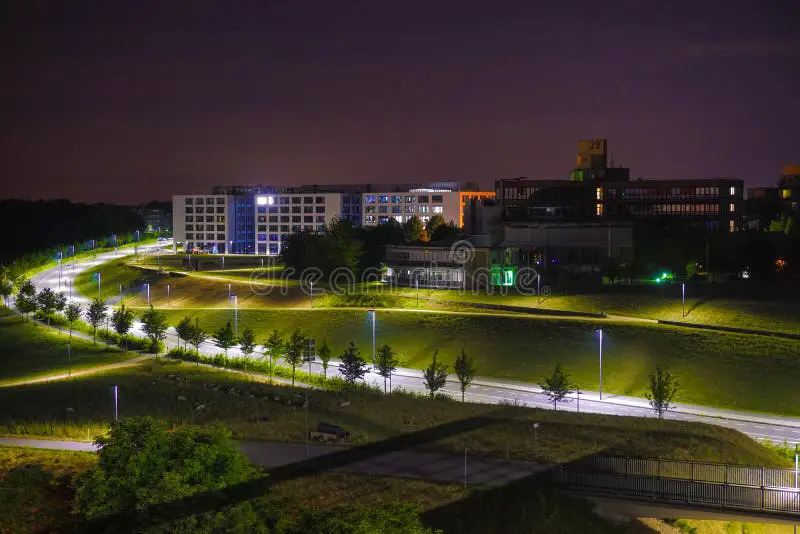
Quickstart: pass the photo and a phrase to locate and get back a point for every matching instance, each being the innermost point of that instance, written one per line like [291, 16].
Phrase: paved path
[424, 465]
[487, 390]
[87, 371]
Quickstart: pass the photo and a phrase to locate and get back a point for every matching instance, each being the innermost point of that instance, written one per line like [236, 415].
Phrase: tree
[154, 324]
[324, 353]
[142, 463]
[50, 302]
[122, 320]
[97, 312]
[274, 345]
[295, 348]
[465, 371]
[184, 331]
[414, 230]
[224, 338]
[435, 375]
[433, 224]
[72, 313]
[557, 386]
[663, 387]
[445, 231]
[353, 366]
[247, 344]
[197, 336]
[386, 363]
[26, 298]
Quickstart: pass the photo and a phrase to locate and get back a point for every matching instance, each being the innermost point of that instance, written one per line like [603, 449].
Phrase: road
[485, 390]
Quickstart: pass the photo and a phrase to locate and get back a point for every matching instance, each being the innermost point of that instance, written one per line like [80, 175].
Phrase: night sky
[126, 101]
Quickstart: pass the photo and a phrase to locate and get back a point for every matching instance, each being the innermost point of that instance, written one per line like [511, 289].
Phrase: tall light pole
[147, 285]
[168, 295]
[60, 254]
[683, 299]
[223, 262]
[99, 276]
[372, 313]
[116, 402]
[69, 358]
[416, 285]
[539, 288]
[229, 290]
[235, 314]
[311, 293]
[600, 331]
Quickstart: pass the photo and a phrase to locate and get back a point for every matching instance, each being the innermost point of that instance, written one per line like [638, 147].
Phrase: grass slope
[28, 350]
[717, 369]
[41, 410]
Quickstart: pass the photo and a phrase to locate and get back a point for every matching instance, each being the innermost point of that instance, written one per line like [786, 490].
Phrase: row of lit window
[372, 219]
[208, 218]
[201, 227]
[404, 209]
[208, 237]
[292, 209]
[201, 209]
[197, 201]
[397, 199]
[294, 218]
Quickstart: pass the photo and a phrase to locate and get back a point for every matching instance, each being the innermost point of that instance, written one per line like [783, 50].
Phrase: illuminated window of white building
[733, 190]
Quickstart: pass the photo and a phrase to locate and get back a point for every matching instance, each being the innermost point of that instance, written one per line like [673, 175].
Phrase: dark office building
[607, 193]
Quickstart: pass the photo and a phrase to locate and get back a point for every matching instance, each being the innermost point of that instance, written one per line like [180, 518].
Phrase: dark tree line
[51, 223]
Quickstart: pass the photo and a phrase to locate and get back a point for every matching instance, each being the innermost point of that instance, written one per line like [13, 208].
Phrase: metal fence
[742, 475]
[697, 483]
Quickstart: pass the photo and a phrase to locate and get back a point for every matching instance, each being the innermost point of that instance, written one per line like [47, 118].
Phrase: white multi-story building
[253, 223]
[203, 222]
[278, 215]
[378, 208]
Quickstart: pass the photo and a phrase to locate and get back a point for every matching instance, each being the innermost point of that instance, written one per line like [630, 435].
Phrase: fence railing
[707, 484]
[742, 475]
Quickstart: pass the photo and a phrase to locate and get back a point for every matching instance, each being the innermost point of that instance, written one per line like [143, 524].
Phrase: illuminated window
[733, 190]
[437, 209]
[599, 193]
[731, 226]
[599, 210]
[732, 207]
[786, 193]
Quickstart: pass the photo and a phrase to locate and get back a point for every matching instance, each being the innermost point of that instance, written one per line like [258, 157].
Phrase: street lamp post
[683, 299]
[235, 314]
[311, 294]
[600, 331]
[168, 296]
[120, 292]
[372, 313]
[539, 288]
[116, 402]
[229, 290]
[148, 293]
[69, 359]
[99, 276]
[223, 262]
[416, 285]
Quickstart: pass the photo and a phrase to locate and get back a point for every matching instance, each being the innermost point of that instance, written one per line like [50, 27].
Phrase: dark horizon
[127, 103]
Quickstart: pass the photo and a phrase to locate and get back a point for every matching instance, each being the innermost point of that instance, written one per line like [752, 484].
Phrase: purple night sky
[126, 101]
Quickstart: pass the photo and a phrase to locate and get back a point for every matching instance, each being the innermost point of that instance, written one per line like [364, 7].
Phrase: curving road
[484, 390]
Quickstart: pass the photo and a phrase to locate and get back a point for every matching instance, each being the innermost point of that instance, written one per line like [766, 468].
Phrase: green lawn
[717, 369]
[112, 274]
[28, 350]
